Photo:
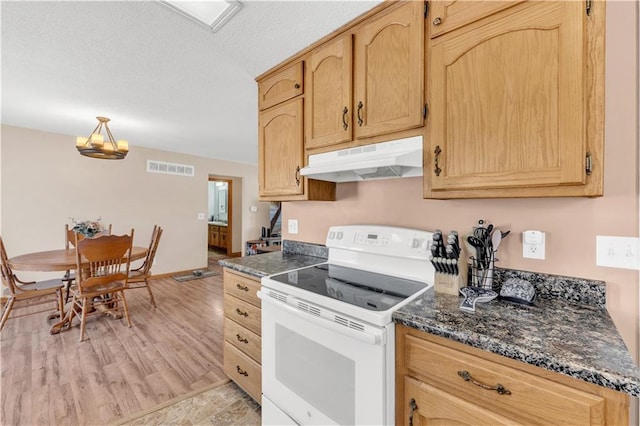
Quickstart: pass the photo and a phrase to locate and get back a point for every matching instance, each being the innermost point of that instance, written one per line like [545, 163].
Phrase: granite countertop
[294, 255]
[576, 338]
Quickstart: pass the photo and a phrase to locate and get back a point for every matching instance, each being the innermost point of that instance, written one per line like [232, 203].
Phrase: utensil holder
[481, 274]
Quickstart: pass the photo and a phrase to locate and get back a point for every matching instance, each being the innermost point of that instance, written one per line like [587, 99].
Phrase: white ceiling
[165, 81]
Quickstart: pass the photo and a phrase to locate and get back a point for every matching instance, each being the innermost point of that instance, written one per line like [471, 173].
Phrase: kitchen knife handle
[360, 120]
[466, 376]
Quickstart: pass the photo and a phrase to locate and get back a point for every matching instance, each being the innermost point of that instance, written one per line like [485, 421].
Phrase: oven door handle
[376, 338]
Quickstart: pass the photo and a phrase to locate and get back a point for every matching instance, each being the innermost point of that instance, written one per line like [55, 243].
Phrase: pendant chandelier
[96, 147]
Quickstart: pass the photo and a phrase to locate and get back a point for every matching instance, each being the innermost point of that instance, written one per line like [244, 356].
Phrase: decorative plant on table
[88, 228]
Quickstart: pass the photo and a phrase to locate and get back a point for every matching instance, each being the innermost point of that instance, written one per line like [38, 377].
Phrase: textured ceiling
[165, 81]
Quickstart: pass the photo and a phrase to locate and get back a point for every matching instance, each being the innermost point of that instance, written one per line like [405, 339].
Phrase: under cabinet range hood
[385, 160]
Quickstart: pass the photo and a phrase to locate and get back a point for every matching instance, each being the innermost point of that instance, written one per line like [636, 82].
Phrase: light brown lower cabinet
[242, 331]
[442, 382]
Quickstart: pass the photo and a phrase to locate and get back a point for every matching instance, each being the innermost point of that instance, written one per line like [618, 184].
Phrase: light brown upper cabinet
[329, 93]
[281, 86]
[445, 16]
[280, 156]
[389, 71]
[516, 104]
[369, 81]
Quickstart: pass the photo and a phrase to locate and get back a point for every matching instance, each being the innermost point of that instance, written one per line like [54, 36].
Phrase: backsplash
[307, 249]
[579, 290]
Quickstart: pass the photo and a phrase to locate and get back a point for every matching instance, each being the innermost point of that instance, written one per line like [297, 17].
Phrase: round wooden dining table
[59, 260]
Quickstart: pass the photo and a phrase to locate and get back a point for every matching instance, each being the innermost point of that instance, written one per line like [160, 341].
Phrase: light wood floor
[119, 371]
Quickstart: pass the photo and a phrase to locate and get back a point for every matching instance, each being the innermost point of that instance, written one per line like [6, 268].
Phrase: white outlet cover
[533, 245]
[293, 226]
[200, 216]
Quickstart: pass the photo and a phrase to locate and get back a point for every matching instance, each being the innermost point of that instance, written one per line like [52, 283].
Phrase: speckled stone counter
[293, 255]
[567, 330]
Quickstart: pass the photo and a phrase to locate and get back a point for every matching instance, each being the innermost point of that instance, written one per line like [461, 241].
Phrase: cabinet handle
[243, 288]
[437, 21]
[239, 312]
[241, 371]
[466, 376]
[360, 121]
[437, 152]
[412, 407]
[344, 118]
[241, 339]
[296, 86]
[298, 176]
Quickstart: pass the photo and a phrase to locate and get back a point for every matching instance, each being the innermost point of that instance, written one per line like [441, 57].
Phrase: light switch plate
[618, 252]
[200, 216]
[293, 226]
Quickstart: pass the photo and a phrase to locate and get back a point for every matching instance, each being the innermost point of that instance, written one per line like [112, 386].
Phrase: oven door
[320, 372]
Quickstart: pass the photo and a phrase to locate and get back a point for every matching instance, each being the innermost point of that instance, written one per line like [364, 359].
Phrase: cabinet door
[445, 16]
[426, 405]
[223, 238]
[389, 72]
[280, 149]
[328, 94]
[280, 86]
[506, 101]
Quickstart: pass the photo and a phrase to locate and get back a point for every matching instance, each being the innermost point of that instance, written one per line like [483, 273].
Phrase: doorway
[220, 218]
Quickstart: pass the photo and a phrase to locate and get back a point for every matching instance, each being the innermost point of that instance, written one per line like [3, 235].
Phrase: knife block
[450, 283]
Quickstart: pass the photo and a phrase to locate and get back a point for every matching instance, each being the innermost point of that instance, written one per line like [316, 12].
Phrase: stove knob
[424, 245]
[340, 235]
[332, 235]
[415, 243]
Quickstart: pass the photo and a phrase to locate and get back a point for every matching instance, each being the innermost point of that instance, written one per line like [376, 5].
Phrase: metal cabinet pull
[437, 168]
[412, 407]
[437, 21]
[239, 312]
[360, 120]
[345, 111]
[296, 86]
[241, 371]
[243, 288]
[298, 176]
[498, 387]
[241, 339]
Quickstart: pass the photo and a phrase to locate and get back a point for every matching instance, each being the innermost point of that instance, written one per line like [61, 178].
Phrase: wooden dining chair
[101, 282]
[70, 238]
[31, 293]
[139, 277]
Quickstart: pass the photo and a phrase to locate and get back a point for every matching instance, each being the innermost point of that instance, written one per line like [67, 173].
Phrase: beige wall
[45, 182]
[571, 224]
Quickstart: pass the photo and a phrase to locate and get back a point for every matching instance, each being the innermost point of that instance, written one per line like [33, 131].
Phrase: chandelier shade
[95, 146]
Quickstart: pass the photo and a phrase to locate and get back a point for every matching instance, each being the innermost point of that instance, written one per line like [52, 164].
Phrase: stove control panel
[387, 240]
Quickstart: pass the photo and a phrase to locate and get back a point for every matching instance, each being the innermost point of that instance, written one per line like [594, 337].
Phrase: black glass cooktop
[376, 292]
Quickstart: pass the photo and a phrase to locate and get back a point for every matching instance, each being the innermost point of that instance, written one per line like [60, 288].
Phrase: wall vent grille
[154, 166]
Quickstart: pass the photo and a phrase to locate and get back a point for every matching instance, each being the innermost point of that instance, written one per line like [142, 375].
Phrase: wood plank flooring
[119, 371]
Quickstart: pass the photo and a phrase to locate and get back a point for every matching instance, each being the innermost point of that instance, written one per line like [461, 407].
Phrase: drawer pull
[241, 339]
[244, 314]
[241, 371]
[412, 407]
[241, 287]
[498, 387]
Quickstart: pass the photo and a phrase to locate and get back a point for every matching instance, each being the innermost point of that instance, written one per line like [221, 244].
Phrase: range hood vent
[385, 160]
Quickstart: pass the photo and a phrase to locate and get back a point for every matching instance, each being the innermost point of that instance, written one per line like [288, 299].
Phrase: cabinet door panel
[280, 149]
[281, 86]
[432, 406]
[328, 95]
[507, 102]
[449, 15]
[389, 72]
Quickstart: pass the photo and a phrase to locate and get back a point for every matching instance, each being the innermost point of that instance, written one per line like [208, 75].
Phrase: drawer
[531, 398]
[243, 339]
[447, 16]
[242, 287]
[244, 371]
[246, 315]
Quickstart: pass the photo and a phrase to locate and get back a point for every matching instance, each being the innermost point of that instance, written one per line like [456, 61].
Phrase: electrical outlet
[200, 216]
[533, 245]
[618, 252]
[293, 226]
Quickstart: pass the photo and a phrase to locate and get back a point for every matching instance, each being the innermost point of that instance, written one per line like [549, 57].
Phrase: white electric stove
[327, 331]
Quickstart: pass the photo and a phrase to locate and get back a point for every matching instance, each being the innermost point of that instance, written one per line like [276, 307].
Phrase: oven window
[322, 377]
